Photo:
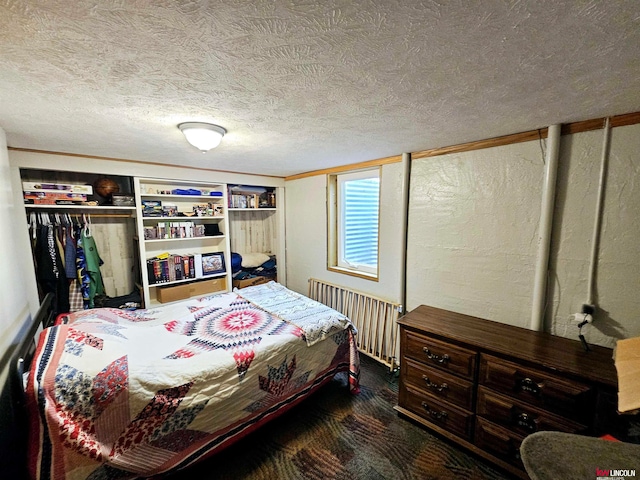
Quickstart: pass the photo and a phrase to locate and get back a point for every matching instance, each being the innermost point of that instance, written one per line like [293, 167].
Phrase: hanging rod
[108, 215]
[97, 215]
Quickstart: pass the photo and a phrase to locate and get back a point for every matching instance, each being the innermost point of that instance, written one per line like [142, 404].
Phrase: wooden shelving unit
[211, 201]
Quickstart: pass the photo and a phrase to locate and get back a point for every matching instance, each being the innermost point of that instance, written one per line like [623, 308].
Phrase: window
[354, 212]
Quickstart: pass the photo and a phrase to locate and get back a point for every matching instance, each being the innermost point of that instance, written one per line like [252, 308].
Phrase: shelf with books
[251, 197]
[183, 234]
[171, 229]
[169, 268]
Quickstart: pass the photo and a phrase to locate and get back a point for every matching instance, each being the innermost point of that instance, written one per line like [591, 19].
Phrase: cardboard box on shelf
[251, 281]
[208, 286]
[173, 293]
[186, 290]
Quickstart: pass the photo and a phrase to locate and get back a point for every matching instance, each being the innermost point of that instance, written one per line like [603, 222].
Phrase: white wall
[18, 301]
[618, 268]
[306, 225]
[18, 295]
[473, 234]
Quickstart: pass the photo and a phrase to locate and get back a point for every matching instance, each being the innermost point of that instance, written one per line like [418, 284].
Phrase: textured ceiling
[304, 85]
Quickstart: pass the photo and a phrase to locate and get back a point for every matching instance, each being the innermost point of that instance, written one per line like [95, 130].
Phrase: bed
[132, 394]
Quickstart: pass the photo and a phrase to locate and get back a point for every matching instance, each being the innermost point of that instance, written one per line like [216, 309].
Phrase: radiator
[375, 319]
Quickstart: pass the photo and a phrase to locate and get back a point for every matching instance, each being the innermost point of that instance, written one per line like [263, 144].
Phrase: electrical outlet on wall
[577, 318]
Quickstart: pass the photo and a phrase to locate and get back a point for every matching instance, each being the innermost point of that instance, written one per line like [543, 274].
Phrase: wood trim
[353, 273]
[567, 129]
[480, 144]
[126, 160]
[346, 168]
[624, 120]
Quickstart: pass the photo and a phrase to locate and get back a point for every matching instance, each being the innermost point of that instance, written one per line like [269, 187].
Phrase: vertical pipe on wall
[406, 178]
[595, 242]
[544, 229]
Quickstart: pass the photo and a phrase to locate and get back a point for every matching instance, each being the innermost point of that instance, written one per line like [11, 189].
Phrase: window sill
[354, 273]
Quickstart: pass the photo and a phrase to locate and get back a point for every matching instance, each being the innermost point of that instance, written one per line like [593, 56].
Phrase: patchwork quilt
[116, 394]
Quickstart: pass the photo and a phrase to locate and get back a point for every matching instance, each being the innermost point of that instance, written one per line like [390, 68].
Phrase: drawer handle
[435, 386]
[436, 358]
[527, 422]
[528, 385]
[434, 413]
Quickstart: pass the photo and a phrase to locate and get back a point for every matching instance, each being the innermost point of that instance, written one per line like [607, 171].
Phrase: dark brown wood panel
[541, 349]
[566, 397]
[444, 355]
[433, 410]
[438, 383]
[520, 417]
[499, 441]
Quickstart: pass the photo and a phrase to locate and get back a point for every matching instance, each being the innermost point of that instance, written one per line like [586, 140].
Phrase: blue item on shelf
[215, 194]
[190, 191]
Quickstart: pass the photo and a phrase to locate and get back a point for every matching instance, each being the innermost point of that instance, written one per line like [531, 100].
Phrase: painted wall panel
[114, 240]
[472, 233]
[618, 267]
[254, 231]
[16, 298]
[18, 301]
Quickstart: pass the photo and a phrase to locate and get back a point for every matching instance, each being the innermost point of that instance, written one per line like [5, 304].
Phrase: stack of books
[37, 193]
[164, 230]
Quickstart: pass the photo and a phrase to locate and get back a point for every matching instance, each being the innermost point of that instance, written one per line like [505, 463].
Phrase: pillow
[253, 260]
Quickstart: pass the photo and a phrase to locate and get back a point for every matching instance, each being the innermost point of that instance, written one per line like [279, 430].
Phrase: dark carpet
[336, 435]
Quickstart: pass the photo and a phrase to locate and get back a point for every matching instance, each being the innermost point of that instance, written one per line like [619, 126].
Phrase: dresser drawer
[559, 395]
[499, 441]
[445, 415]
[519, 416]
[446, 356]
[438, 383]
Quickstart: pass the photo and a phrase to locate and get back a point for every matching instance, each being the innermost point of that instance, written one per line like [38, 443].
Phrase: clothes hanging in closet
[49, 272]
[67, 261]
[92, 263]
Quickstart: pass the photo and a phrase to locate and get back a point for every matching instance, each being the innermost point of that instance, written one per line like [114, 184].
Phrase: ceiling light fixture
[203, 136]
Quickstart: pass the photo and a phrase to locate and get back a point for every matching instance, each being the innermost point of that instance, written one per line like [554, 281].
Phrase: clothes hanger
[87, 225]
[33, 224]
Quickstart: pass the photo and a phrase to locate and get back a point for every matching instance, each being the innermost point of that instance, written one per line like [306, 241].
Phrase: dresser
[485, 385]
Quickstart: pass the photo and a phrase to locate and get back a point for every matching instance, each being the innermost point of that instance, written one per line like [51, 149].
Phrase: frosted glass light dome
[203, 136]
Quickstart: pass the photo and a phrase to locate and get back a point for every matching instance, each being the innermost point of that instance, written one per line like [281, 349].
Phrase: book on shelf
[252, 197]
[170, 230]
[170, 267]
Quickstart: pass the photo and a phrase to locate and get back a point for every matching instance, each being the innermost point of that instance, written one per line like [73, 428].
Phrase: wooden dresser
[486, 385]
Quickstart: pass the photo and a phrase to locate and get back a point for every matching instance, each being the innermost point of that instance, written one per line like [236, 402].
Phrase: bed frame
[19, 364]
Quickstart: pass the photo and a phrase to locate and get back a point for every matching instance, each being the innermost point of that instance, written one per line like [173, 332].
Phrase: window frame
[335, 240]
